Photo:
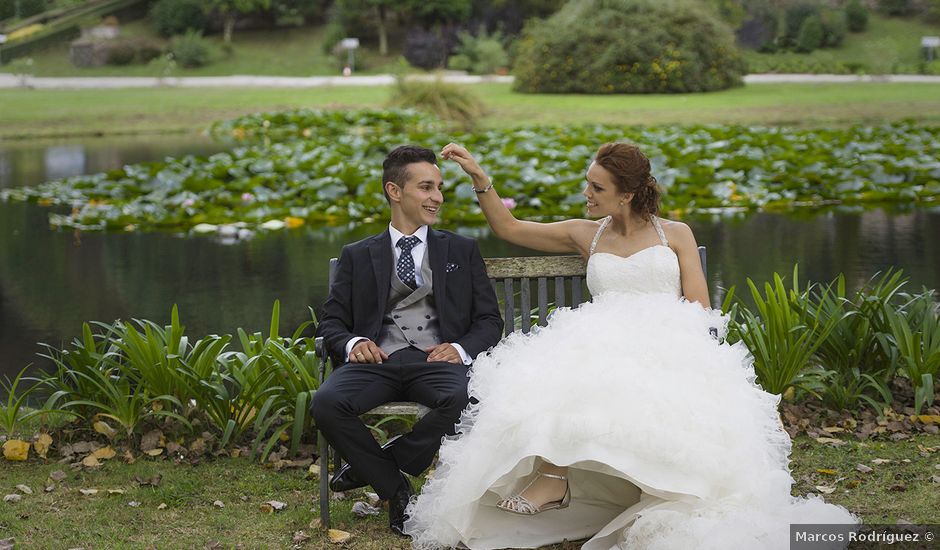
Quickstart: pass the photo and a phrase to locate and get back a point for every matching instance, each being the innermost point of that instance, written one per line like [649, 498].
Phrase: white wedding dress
[670, 442]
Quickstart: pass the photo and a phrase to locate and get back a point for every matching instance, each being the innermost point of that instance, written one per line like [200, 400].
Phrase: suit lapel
[437, 255]
[380, 250]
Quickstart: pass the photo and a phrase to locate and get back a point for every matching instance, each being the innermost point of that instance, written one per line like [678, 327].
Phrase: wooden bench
[523, 286]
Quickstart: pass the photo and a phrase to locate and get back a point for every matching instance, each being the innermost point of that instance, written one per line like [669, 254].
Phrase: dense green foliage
[138, 375]
[325, 167]
[172, 17]
[191, 49]
[856, 16]
[451, 102]
[482, 53]
[627, 46]
[848, 350]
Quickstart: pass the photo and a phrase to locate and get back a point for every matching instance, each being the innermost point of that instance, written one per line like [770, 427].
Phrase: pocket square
[451, 267]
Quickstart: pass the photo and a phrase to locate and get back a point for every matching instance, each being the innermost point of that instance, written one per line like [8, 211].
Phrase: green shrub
[172, 17]
[450, 102]
[811, 35]
[29, 8]
[7, 9]
[793, 19]
[834, 27]
[856, 16]
[932, 13]
[191, 49]
[121, 53]
[480, 54]
[896, 7]
[627, 46]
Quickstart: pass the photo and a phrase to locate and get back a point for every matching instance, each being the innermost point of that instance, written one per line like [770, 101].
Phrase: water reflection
[52, 281]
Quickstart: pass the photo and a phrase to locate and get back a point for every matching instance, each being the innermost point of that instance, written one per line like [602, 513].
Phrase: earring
[621, 202]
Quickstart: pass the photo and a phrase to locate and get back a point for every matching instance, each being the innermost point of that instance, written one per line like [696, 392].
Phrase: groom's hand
[443, 352]
[461, 156]
[366, 351]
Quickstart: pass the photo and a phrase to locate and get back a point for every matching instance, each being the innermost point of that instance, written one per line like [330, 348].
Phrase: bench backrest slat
[506, 273]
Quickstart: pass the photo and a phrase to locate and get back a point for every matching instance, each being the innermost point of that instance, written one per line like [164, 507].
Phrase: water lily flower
[273, 225]
[189, 202]
[509, 203]
[248, 197]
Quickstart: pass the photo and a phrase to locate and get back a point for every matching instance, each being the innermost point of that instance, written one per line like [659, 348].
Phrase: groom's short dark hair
[395, 167]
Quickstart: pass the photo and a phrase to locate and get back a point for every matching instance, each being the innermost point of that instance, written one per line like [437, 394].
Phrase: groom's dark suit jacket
[466, 304]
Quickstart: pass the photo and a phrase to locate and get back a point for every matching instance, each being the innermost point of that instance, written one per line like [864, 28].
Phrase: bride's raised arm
[564, 236]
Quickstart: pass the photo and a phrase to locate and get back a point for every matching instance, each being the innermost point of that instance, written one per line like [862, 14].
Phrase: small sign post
[350, 45]
[930, 44]
[3, 39]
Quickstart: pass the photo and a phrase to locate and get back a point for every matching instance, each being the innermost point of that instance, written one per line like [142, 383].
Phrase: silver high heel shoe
[520, 505]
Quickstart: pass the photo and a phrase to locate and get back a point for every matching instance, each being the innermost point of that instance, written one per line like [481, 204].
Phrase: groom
[408, 311]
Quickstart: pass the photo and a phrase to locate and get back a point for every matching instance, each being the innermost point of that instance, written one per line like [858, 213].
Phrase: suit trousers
[356, 388]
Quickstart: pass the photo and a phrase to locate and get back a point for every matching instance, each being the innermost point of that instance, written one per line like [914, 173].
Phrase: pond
[51, 281]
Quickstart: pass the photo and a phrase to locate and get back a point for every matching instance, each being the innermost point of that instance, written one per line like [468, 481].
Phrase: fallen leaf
[90, 461]
[864, 469]
[300, 537]
[82, 447]
[7, 544]
[104, 453]
[152, 482]
[24, 489]
[935, 479]
[827, 471]
[57, 475]
[42, 444]
[833, 429]
[880, 461]
[129, 457]
[362, 509]
[104, 428]
[88, 492]
[316, 523]
[13, 498]
[338, 537]
[273, 506]
[198, 446]
[929, 418]
[162, 506]
[16, 449]
[152, 440]
[49, 488]
[898, 488]
[853, 483]
[373, 499]
[826, 490]
[133, 504]
[154, 452]
[926, 450]
[116, 492]
[338, 495]
[313, 471]
[830, 441]
[219, 504]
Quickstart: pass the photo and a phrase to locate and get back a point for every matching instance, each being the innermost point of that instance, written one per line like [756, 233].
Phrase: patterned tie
[406, 264]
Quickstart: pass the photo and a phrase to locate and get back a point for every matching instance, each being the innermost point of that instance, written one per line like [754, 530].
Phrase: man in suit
[408, 311]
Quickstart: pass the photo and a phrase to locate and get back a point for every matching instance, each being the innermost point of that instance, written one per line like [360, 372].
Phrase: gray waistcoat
[410, 315]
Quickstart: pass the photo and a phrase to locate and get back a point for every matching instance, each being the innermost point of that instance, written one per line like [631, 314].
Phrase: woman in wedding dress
[624, 420]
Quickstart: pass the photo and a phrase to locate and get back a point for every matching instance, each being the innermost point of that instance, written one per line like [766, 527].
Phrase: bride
[624, 420]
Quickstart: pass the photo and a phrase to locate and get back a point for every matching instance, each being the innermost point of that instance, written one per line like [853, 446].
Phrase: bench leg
[324, 449]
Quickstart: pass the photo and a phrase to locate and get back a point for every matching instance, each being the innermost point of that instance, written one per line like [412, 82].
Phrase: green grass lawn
[890, 45]
[289, 51]
[39, 113]
[901, 489]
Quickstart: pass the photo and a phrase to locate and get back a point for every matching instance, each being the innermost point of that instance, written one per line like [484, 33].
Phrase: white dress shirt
[417, 254]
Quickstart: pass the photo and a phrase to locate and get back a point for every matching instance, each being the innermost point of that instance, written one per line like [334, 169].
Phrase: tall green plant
[783, 335]
[914, 341]
[15, 411]
[853, 364]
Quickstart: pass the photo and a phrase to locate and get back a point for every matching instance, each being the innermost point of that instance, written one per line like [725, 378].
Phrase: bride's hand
[461, 156]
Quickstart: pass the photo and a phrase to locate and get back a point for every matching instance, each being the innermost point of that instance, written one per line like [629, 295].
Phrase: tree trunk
[382, 14]
[228, 25]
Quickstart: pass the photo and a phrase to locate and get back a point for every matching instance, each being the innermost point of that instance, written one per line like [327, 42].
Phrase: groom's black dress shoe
[397, 505]
[345, 480]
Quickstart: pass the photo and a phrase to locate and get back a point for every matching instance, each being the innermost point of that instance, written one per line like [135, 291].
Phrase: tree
[231, 9]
